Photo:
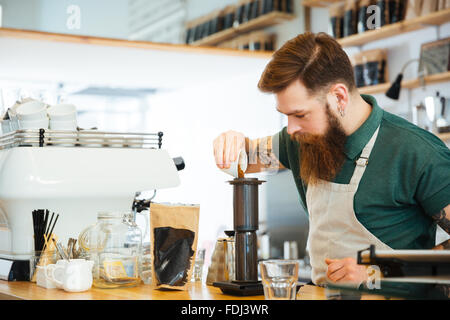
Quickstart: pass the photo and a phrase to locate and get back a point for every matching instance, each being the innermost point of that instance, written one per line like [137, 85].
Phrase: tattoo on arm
[260, 152]
[443, 246]
[443, 220]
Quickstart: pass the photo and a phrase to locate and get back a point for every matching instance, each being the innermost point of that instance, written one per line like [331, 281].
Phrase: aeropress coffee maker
[245, 220]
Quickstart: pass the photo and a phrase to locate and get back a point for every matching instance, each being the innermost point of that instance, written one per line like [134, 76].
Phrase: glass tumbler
[41, 258]
[198, 266]
[279, 279]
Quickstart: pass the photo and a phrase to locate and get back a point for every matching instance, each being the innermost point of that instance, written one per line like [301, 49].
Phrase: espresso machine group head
[245, 221]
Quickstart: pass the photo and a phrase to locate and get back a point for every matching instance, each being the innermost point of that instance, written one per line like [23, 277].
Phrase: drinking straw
[39, 229]
[35, 228]
[45, 221]
[51, 230]
[43, 228]
[49, 224]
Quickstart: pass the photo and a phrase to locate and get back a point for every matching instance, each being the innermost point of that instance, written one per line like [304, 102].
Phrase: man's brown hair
[317, 60]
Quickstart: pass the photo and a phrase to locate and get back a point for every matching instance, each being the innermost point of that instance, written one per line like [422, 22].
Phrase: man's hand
[346, 271]
[261, 157]
[227, 147]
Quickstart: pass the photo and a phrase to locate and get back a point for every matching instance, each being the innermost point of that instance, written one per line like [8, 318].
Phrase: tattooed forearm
[260, 152]
[443, 219]
[443, 246]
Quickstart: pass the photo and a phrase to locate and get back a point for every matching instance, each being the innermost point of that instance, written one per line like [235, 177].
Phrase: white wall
[102, 18]
[14, 15]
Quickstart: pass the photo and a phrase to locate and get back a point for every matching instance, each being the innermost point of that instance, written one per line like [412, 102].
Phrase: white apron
[334, 230]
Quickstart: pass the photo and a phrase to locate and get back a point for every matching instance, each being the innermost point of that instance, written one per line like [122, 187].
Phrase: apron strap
[363, 160]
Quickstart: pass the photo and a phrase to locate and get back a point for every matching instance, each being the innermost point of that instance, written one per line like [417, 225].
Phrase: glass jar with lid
[114, 244]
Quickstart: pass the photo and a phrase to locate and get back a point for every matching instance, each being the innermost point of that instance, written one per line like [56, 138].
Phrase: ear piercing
[341, 111]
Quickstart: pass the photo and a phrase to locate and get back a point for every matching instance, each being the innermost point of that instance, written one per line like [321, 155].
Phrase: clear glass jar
[114, 243]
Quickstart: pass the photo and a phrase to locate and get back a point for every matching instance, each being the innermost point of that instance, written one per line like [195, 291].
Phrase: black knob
[179, 163]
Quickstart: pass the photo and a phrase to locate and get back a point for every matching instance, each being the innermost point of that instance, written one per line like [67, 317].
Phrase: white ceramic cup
[71, 276]
[49, 272]
[70, 125]
[42, 280]
[31, 111]
[62, 112]
[242, 160]
[33, 124]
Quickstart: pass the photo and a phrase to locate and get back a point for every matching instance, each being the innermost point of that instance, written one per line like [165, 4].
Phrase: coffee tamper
[245, 221]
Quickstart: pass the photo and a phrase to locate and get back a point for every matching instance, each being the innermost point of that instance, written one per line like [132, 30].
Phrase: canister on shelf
[337, 11]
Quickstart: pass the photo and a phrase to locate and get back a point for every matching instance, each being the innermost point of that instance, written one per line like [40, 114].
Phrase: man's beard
[322, 156]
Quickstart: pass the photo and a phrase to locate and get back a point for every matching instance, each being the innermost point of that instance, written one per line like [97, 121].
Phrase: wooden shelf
[216, 38]
[408, 84]
[261, 22]
[379, 88]
[60, 37]
[444, 136]
[435, 78]
[432, 19]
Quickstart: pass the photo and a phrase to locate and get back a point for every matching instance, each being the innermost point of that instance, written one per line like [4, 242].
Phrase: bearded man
[365, 176]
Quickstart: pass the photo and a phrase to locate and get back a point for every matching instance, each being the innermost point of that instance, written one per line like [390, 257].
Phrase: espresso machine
[75, 174]
[245, 222]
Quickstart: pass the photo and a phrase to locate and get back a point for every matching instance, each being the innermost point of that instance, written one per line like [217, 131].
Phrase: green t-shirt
[406, 182]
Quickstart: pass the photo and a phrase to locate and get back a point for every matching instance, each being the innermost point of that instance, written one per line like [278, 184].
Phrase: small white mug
[241, 160]
[31, 111]
[33, 124]
[72, 276]
[62, 112]
[41, 278]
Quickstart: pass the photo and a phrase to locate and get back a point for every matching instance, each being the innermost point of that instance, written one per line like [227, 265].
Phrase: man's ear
[340, 95]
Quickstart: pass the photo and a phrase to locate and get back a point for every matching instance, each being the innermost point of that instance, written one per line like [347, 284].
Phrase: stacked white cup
[32, 115]
[63, 117]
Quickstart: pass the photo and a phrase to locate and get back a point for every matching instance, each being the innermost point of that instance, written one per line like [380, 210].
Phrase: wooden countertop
[24, 290]
[196, 291]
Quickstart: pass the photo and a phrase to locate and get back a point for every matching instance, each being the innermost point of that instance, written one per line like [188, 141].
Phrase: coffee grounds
[172, 255]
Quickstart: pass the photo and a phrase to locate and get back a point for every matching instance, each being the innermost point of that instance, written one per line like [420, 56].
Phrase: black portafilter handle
[179, 163]
[245, 220]
[140, 205]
